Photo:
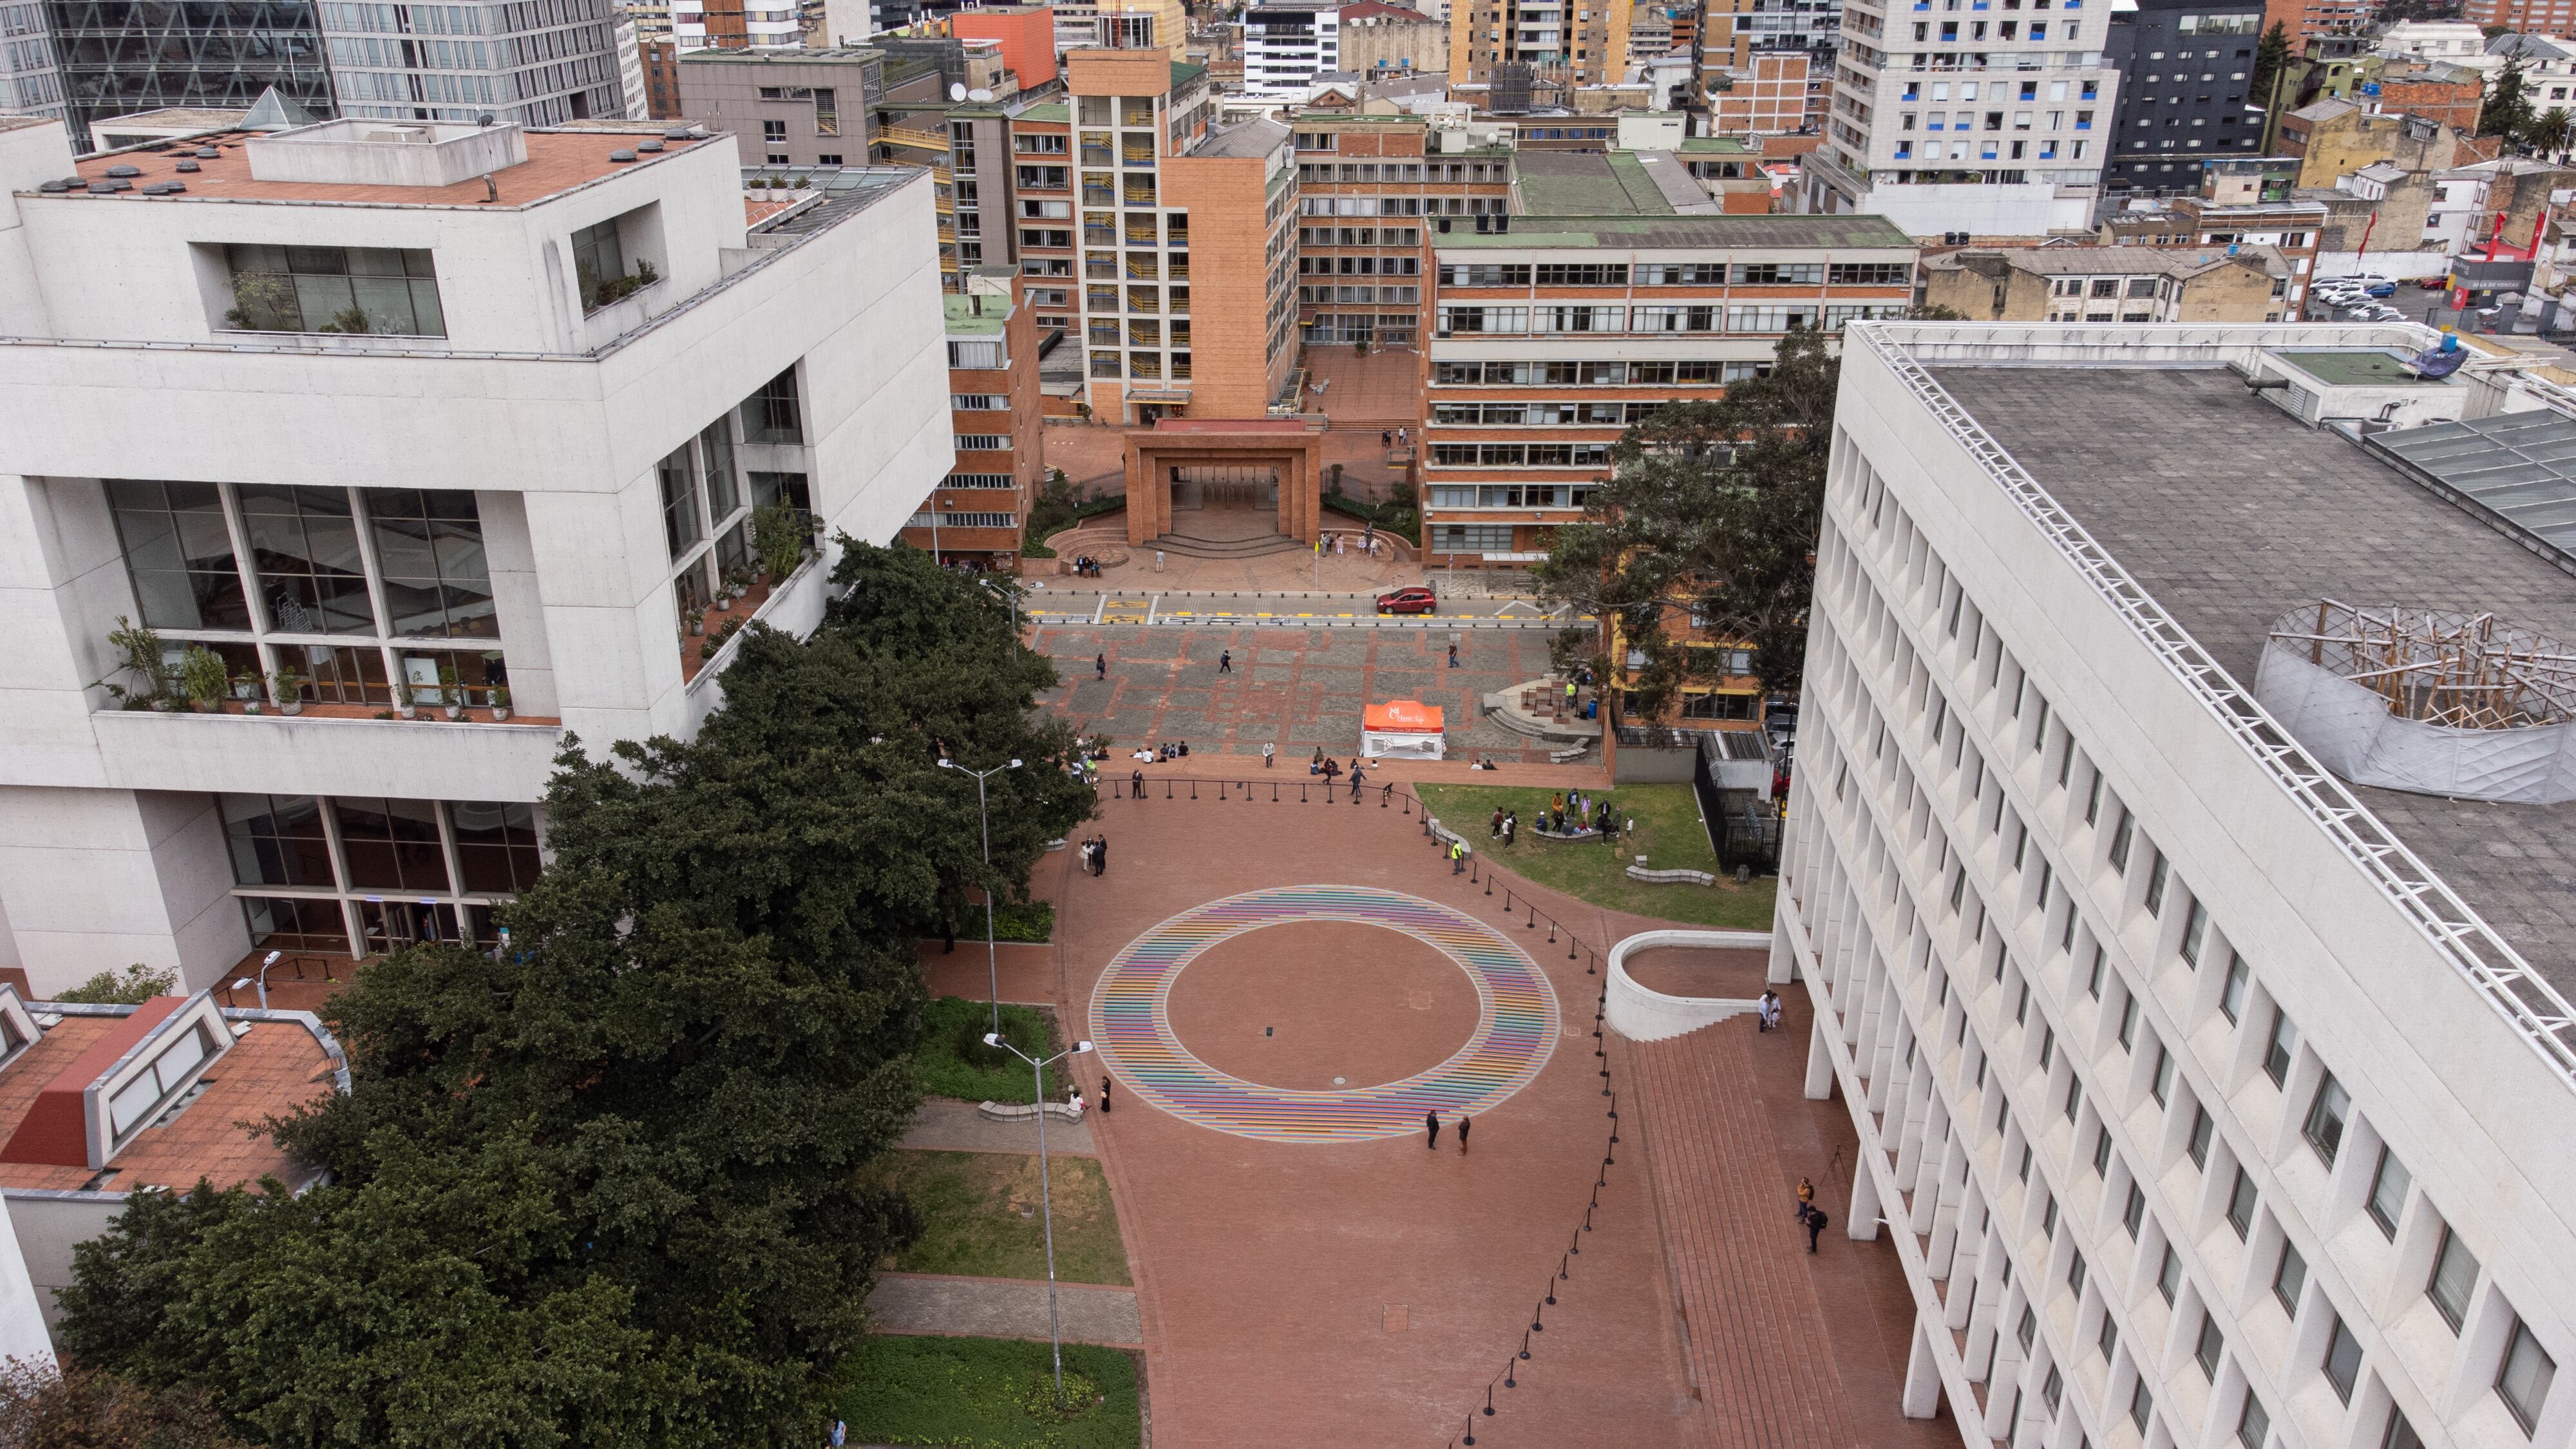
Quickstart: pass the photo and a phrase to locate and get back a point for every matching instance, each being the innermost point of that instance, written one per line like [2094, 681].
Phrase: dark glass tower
[139, 55]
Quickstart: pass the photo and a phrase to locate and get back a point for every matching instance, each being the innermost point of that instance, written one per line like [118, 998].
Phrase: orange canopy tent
[1401, 727]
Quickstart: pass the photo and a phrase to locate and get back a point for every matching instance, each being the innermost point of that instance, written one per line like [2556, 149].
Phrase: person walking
[1770, 1014]
[1136, 783]
[1806, 1193]
[1453, 656]
[1357, 780]
[1816, 1221]
[1225, 661]
[1100, 855]
[1100, 666]
[840, 1434]
[1385, 438]
[1431, 1123]
[1464, 1122]
[1104, 1096]
[1267, 751]
[1457, 857]
[1496, 833]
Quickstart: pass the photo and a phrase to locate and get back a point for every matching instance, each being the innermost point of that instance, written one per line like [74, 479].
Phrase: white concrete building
[1989, 122]
[2456, 41]
[540, 65]
[2209, 1100]
[578, 380]
[1285, 46]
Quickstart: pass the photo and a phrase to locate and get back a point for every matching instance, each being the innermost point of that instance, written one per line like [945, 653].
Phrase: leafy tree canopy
[603, 1188]
[1711, 513]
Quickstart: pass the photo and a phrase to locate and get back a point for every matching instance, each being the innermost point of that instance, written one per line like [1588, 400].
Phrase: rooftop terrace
[558, 162]
[1681, 232]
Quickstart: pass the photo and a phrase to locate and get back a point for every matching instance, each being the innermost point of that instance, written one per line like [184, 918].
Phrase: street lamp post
[1012, 591]
[1046, 1202]
[992, 966]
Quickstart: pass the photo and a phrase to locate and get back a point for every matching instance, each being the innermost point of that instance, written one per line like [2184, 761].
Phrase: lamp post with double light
[1046, 1201]
[992, 966]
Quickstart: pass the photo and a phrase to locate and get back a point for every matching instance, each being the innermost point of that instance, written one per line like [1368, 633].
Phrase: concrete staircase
[1536, 708]
[1189, 547]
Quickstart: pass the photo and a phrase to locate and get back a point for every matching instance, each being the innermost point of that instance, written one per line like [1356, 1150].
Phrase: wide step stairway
[1190, 547]
[1765, 1375]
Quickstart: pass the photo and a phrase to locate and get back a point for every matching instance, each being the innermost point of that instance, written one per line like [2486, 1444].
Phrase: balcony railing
[917, 139]
[1136, 156]
[1100, 236]
[1142, 266]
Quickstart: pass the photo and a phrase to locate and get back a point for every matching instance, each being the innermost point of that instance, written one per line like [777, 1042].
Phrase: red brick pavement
[1367, 1294]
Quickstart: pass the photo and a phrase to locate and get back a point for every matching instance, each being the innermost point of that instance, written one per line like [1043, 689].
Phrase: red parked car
[1415, 600]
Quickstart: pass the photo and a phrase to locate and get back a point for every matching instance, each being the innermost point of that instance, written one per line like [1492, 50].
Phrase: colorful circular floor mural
[1516, 1021]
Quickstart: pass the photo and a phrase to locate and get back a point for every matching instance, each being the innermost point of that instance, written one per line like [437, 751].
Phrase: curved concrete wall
[1641, 1014]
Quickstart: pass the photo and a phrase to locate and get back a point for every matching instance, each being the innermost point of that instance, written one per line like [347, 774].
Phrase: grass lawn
[982, 1212]
[954, 1062]
[973, 1392]
[1668, 834]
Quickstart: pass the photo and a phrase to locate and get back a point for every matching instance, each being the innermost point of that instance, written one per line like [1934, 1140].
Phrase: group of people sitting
[1167, 750]
[1571, 813]
[1086, 566]
[1331, 769]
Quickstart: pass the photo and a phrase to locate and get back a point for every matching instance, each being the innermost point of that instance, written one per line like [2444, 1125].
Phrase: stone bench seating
[1671, 877]
[1565, 834]
[1024, 1112]
[1567, 757]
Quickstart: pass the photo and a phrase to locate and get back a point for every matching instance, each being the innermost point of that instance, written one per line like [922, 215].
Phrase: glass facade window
[496, 845]
[391, 844]
[339, 676]
[277, 840]
[334, 289]
[2327, 1116]
[597, 260]
[2455, 1273]
[2523, 1379]
[429, 543]
[774, 414]
[680, 501]
[179, 553]
[296, 924]
[304, 553]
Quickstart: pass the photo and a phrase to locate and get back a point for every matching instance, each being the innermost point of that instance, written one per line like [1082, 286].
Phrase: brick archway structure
[1295, 446]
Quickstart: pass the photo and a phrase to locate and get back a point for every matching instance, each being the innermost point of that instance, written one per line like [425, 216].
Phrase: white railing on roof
[2530, 1005]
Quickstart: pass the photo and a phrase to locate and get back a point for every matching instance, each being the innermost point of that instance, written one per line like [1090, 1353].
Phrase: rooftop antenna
[490, 191]
[957, 91]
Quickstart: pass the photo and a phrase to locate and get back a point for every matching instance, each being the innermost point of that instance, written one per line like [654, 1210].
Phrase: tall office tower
[735, 24]
[30, 82]
[1563, 43]
[1189, 245]
[1285, 45]
[114, 57]
[437, 425]
[2185, 81]
[2176, 766]
[536, 62]
[1953, 119]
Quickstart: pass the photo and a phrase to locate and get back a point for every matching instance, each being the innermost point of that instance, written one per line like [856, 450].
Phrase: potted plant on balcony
[402, 700]
[697, 622]
[138, 652]
[450, 696]
[778, 535]
[290, 691]
[246, 688]
[203, 680]
[500, 703]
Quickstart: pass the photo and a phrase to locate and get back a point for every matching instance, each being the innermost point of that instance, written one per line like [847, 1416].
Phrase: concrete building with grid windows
[396, 459]
[1550, 335]
[2209, 1098]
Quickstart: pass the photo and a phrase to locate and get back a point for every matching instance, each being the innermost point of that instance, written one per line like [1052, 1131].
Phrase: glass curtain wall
[351, 589]
[345, 876]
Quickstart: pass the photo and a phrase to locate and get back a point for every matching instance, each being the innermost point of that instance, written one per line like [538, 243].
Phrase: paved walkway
[1299, 689]
[949, 1126]
[934, 1303]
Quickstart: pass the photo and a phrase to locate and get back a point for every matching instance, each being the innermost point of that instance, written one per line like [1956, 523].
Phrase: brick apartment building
[1563, 44]
[1368, 193]
[2296, 230]
[1552, 334]
[1768, 96]
[2525, 17]
[979, 510]
[1188, 243]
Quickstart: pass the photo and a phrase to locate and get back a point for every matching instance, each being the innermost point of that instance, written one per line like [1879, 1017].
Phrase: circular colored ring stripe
[1516, 1021]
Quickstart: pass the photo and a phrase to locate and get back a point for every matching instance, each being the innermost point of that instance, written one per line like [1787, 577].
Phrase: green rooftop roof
[962, 321]
[1183, 73]
[1661, 233]
[1717, 145]
[1588, 183]
[1056, 111]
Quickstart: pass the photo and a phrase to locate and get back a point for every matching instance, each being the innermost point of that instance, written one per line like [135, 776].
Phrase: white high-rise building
[2210, 1099]
[537, 62]
[1285, 46]
[1956, 116]
[432, 420]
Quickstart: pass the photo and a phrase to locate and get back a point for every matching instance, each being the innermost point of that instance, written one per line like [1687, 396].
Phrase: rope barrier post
[1194, 789]
[1167, 787]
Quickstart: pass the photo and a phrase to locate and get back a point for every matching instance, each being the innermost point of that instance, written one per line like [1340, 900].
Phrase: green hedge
[1032, 922]
[973, 1393]
[954, 1062]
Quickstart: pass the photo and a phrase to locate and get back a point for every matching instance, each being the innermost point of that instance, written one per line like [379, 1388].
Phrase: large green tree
[603, 1186]
[1708, 518]
[2508, 111]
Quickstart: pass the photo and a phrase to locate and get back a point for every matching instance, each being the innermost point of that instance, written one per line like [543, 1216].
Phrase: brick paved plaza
[1364, 1292]
[1296, 689]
